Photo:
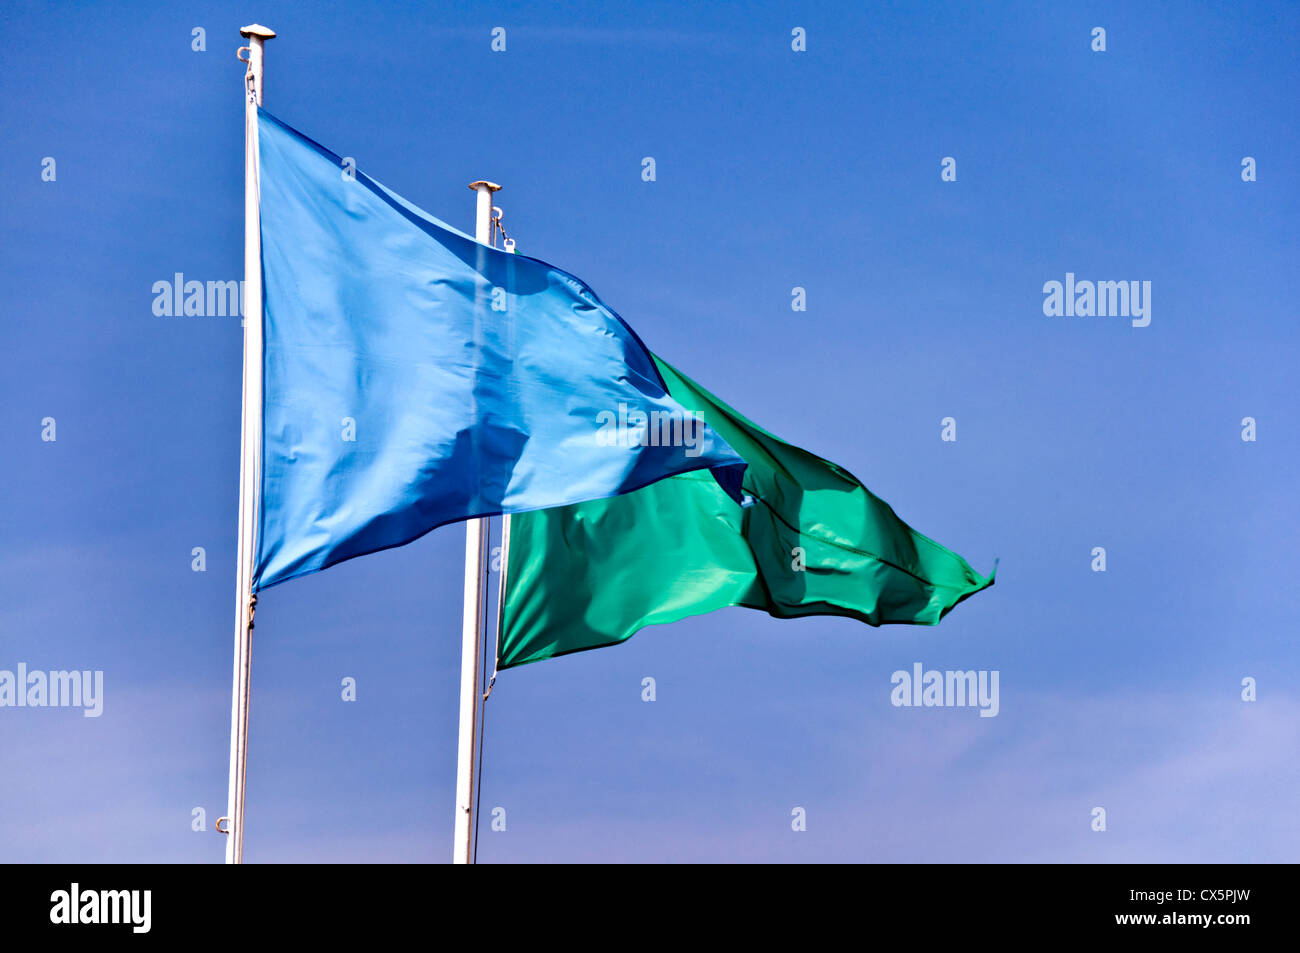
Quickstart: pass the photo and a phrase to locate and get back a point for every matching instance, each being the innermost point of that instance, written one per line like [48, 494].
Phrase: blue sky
[775, 169]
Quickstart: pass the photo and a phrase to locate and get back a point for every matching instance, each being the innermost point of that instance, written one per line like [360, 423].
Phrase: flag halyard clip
[248, 73]
[507, 242]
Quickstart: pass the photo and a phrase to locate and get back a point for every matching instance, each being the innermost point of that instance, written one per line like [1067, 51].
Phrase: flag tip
[492, 186]
[256, 29]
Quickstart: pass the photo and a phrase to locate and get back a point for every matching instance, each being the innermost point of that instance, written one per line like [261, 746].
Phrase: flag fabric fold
[414, 377]
[813, 541]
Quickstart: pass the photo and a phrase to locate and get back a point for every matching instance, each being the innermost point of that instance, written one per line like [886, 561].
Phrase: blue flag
[413, 377]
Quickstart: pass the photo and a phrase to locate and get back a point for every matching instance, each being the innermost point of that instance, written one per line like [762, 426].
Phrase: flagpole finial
[491, 186]
[256, 29]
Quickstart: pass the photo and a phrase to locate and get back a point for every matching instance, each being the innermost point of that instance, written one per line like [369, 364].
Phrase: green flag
[813, 541]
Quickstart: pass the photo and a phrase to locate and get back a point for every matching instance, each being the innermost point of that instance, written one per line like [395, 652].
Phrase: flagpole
[250, 451]
[471, 650]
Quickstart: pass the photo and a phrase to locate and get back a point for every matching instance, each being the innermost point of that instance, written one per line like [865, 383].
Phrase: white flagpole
[250, 451]
[471, 647]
